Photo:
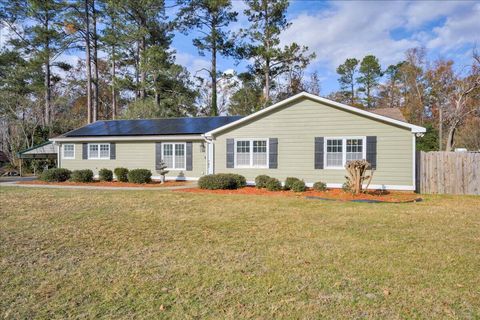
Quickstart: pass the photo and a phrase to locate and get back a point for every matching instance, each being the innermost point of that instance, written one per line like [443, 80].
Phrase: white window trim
[173, 151]
[99, 158]
[344, 150]
[251, 153]
[63, 151]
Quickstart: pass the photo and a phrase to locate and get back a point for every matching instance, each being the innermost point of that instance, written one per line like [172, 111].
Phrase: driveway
[17, 178]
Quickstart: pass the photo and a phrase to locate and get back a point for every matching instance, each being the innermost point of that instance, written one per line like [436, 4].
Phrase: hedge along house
[304, 136]
[312, 138]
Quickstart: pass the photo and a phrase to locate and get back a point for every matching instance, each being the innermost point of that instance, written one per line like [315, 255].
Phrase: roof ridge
[200, 117]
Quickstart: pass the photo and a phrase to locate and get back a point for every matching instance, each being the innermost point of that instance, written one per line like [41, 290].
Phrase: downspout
[210, 154]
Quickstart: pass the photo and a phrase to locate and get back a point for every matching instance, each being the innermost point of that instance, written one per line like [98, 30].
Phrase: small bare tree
[357, 173]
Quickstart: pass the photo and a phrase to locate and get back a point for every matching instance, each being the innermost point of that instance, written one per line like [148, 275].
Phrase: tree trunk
[47, 80]
[88, 62]
[267, 58]
[352, 88]
[440, 128]
[114, 94]
[451, 137]
[213, 74]
[143, 73]
[96, 94]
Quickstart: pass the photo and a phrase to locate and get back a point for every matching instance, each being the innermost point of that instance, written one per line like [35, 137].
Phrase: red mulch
[107, 184]
[334, 194]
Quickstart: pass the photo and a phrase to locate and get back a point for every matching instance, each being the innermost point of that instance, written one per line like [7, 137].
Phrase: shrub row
[223, 181]
[291, 183]
[122, 174]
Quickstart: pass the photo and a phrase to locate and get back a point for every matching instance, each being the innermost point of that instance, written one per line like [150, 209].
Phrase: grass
[160, 254]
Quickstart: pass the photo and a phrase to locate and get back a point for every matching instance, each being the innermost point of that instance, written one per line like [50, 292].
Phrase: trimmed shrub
[221, 181]
[105, 175]
[239, 179]
[346, 187]
[55, 175]
[320, 186]
[298, 186]
[273, 184]
[261, 181]
[121, 174]
[289, 182]
[139, 176]
[85, 175]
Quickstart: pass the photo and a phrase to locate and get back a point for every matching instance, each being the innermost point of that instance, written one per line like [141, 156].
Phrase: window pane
[105, 150]
[93, 150]
[354, 149]
[334, 152]
[168, 154]
[259, 153]
[68, 150]
[179, 156]
[243, 153]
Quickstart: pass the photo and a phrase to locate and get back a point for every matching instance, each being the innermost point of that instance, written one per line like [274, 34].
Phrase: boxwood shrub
[121, 174]
[261, 181]
[222, 181]
[85, 175]
[55, 175]
[105, 175]
[320, 186]
[289, 182]
[139, 176]
[273, 184]
[298, 186]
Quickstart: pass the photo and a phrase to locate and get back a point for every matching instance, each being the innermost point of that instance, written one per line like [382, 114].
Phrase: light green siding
[296, 125]
[137, 154]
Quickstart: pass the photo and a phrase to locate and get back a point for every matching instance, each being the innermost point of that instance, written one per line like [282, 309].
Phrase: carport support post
[21, 162]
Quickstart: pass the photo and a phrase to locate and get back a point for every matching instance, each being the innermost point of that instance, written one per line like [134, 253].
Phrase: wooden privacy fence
[448, 172]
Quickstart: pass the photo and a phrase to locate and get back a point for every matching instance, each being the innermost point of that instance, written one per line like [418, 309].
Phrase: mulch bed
[153, 184]
[331, 194]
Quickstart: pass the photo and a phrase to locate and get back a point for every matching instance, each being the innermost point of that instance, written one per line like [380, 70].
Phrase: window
[68, 151]
[251, 153]
[173, 154]
[99, 151]
[340, 150]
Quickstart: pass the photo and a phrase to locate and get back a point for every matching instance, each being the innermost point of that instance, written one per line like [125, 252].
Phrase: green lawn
[161, 254]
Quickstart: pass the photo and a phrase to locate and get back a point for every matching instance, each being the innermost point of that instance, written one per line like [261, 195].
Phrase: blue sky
[336, 30]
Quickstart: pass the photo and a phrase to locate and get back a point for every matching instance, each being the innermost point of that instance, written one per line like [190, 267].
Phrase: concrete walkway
[15, 184]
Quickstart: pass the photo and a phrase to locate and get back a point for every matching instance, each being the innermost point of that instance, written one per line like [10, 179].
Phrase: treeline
[436, 94]
[129, 69]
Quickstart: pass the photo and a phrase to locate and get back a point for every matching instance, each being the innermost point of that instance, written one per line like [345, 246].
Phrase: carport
[42, 151]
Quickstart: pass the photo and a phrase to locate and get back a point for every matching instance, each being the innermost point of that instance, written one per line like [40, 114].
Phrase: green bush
[85, 175]
[239, 179]
[298, 186]
[105, 175]
[139, 176]
[273, 184]
[320, 186]
[55, 175]
[222, 181]
[289, 182]
[121, 174]
[261, 181]
[346, 187]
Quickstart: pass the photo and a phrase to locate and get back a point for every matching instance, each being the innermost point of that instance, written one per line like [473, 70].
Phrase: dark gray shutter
[319, 141]
[189, 156]
[113, 151]
[158, 155]
[230, 153]
[273, 153]
[85, 151]
[372, 151]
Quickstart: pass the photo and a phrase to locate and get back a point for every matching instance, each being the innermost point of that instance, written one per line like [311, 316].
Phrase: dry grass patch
[151, 254]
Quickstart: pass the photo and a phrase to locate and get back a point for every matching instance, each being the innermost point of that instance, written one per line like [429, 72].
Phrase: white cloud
[355, 29]
[194, 64]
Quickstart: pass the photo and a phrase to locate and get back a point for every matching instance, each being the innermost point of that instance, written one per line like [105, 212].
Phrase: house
[304, 136]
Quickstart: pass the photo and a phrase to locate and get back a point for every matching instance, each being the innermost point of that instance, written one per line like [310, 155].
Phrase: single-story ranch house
[304, 136]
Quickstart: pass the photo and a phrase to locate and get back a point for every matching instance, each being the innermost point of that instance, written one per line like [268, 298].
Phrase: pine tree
[347, 72]
[370, 73]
